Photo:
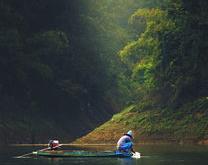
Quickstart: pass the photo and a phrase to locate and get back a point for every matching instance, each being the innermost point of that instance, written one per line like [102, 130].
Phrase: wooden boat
[66, 153]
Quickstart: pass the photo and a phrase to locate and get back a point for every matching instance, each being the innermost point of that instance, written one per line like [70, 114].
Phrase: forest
[67, 66]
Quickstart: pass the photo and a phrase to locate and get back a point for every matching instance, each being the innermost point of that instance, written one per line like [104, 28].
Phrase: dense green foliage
[62, 62]
[57, 65]
[167, 75]
[168, 59]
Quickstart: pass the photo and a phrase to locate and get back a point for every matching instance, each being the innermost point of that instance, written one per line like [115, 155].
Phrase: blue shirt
[125, 139]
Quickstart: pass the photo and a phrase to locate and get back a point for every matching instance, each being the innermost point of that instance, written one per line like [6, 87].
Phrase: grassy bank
[188, 124]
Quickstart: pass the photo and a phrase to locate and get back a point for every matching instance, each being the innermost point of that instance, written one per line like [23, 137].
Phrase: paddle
[44, 149]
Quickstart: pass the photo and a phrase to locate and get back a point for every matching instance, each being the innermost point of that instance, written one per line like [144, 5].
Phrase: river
[151, 155]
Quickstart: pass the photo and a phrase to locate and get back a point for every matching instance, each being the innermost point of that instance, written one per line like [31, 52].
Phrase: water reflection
[151, 155]
[127, 161]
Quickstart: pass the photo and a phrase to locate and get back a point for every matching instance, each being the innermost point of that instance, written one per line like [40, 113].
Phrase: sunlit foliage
[144, 54]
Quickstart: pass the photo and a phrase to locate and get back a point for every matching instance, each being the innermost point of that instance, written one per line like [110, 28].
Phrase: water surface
[151, 155]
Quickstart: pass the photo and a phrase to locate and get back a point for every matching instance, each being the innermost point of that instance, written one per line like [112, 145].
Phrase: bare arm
[132, 150]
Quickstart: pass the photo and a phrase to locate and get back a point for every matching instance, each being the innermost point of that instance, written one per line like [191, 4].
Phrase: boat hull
[81, 154]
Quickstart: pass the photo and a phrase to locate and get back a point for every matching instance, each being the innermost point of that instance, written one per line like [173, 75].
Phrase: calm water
[151, 155]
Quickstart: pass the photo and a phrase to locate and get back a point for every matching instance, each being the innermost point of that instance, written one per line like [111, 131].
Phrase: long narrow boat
[66, 153]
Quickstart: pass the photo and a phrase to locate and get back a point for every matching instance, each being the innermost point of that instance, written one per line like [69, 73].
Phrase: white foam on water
[136, 155]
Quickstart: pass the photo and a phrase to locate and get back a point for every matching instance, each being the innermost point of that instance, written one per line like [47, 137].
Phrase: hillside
[166, 74]
[67, 66]
[53, 75]
[188, 125]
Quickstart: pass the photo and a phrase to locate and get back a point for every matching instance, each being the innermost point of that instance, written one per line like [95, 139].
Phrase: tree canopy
[84, 60]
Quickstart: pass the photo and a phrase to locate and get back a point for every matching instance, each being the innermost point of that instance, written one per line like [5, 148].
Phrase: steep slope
[188, 124]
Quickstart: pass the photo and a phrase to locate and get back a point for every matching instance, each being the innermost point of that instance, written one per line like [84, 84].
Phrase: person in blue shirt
[125, 143]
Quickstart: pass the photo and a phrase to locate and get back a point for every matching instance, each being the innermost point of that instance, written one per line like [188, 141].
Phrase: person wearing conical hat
[125, 143]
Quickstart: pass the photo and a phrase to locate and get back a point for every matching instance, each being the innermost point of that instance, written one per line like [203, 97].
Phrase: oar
[22, 156]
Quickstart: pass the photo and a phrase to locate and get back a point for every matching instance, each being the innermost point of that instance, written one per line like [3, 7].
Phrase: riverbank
[188, 124]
